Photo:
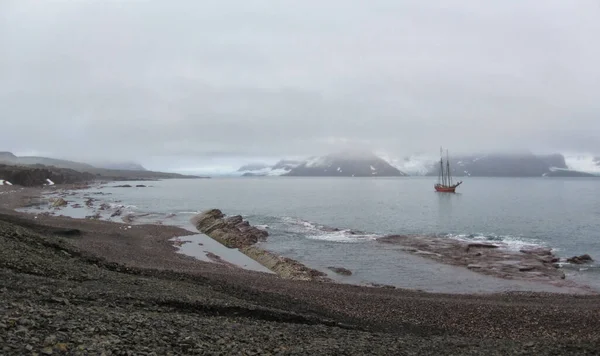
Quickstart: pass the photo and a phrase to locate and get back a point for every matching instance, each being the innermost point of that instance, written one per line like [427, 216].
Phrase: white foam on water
[187, 212]
[298, 225]
[342, 236]
[319, 232]
[513, 243]
[121, 206]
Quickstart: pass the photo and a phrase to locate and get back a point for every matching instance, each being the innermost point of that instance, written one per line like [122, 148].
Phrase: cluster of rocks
[232, 231]
[579, 260]
[533, 263]
[235, 232]
[89, 202]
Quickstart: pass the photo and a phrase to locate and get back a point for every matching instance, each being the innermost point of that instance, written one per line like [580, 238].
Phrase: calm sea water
[560, 213]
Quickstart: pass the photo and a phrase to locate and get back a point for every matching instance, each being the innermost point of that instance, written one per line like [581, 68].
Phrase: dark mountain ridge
[30, 170]
[346, 164]
[509, 165]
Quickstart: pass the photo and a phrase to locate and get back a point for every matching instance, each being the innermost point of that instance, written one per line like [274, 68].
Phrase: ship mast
[442, 176]
[448, 166]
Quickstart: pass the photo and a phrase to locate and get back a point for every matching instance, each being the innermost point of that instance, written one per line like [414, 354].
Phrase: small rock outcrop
[59, 202]
[283, 266]
[341, 270]
[231, 231]
[578, 260]
[235, 232]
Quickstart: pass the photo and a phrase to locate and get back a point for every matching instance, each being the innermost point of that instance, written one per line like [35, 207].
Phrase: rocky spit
[235, 232]
[90, 287]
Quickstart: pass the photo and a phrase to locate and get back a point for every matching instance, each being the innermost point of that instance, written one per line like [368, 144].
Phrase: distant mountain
[346, 164]
[509, 165]
[127, 166]
[261, 170]
[254, 167]
[139, 173]
[568, 173]
[523, 164]
[286, 165]
[36, 175]
[9, 158]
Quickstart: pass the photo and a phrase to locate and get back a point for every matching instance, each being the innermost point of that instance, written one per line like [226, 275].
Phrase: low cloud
[192, 82]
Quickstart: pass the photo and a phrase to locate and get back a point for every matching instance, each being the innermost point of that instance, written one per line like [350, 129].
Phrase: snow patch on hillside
[317, 162]
[414, 165]
[582, 163]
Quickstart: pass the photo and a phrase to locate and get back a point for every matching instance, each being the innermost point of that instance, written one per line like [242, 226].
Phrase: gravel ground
[89, 287]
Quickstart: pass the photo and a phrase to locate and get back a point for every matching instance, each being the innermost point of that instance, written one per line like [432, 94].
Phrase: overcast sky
[226, 81]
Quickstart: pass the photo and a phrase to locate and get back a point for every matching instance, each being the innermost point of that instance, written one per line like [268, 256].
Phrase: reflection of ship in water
[444, 208]
[445, 184]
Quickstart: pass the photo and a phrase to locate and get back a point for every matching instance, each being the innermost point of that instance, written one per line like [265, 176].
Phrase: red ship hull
[445, 189]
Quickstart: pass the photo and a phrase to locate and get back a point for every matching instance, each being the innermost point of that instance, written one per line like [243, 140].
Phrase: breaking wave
[509, 242]
[121, 206]
[315, 231]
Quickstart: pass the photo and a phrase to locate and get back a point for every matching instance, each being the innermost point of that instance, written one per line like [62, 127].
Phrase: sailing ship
[445, 184]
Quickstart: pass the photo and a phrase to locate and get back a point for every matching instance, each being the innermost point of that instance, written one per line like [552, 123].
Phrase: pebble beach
[84, 286]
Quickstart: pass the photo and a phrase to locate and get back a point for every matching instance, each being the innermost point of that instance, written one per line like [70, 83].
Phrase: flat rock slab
[536, 264]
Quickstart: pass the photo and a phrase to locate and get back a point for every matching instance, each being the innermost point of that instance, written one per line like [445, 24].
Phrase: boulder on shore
[232, 231]
[341, 270]
[578, 260]
[60, 202]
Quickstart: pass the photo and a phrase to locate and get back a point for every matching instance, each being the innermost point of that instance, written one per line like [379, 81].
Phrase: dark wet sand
[90, 286]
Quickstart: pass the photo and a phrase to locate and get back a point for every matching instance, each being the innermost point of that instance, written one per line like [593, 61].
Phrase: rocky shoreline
[235, 232]
[534, 264]
[85, 286]
[531, 263]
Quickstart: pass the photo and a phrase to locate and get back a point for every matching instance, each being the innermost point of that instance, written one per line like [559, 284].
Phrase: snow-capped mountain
[502, 165]
[366, 164]
[346, 164]
[342, 164]
[414, 165]
[583, 163]
[260, 170]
